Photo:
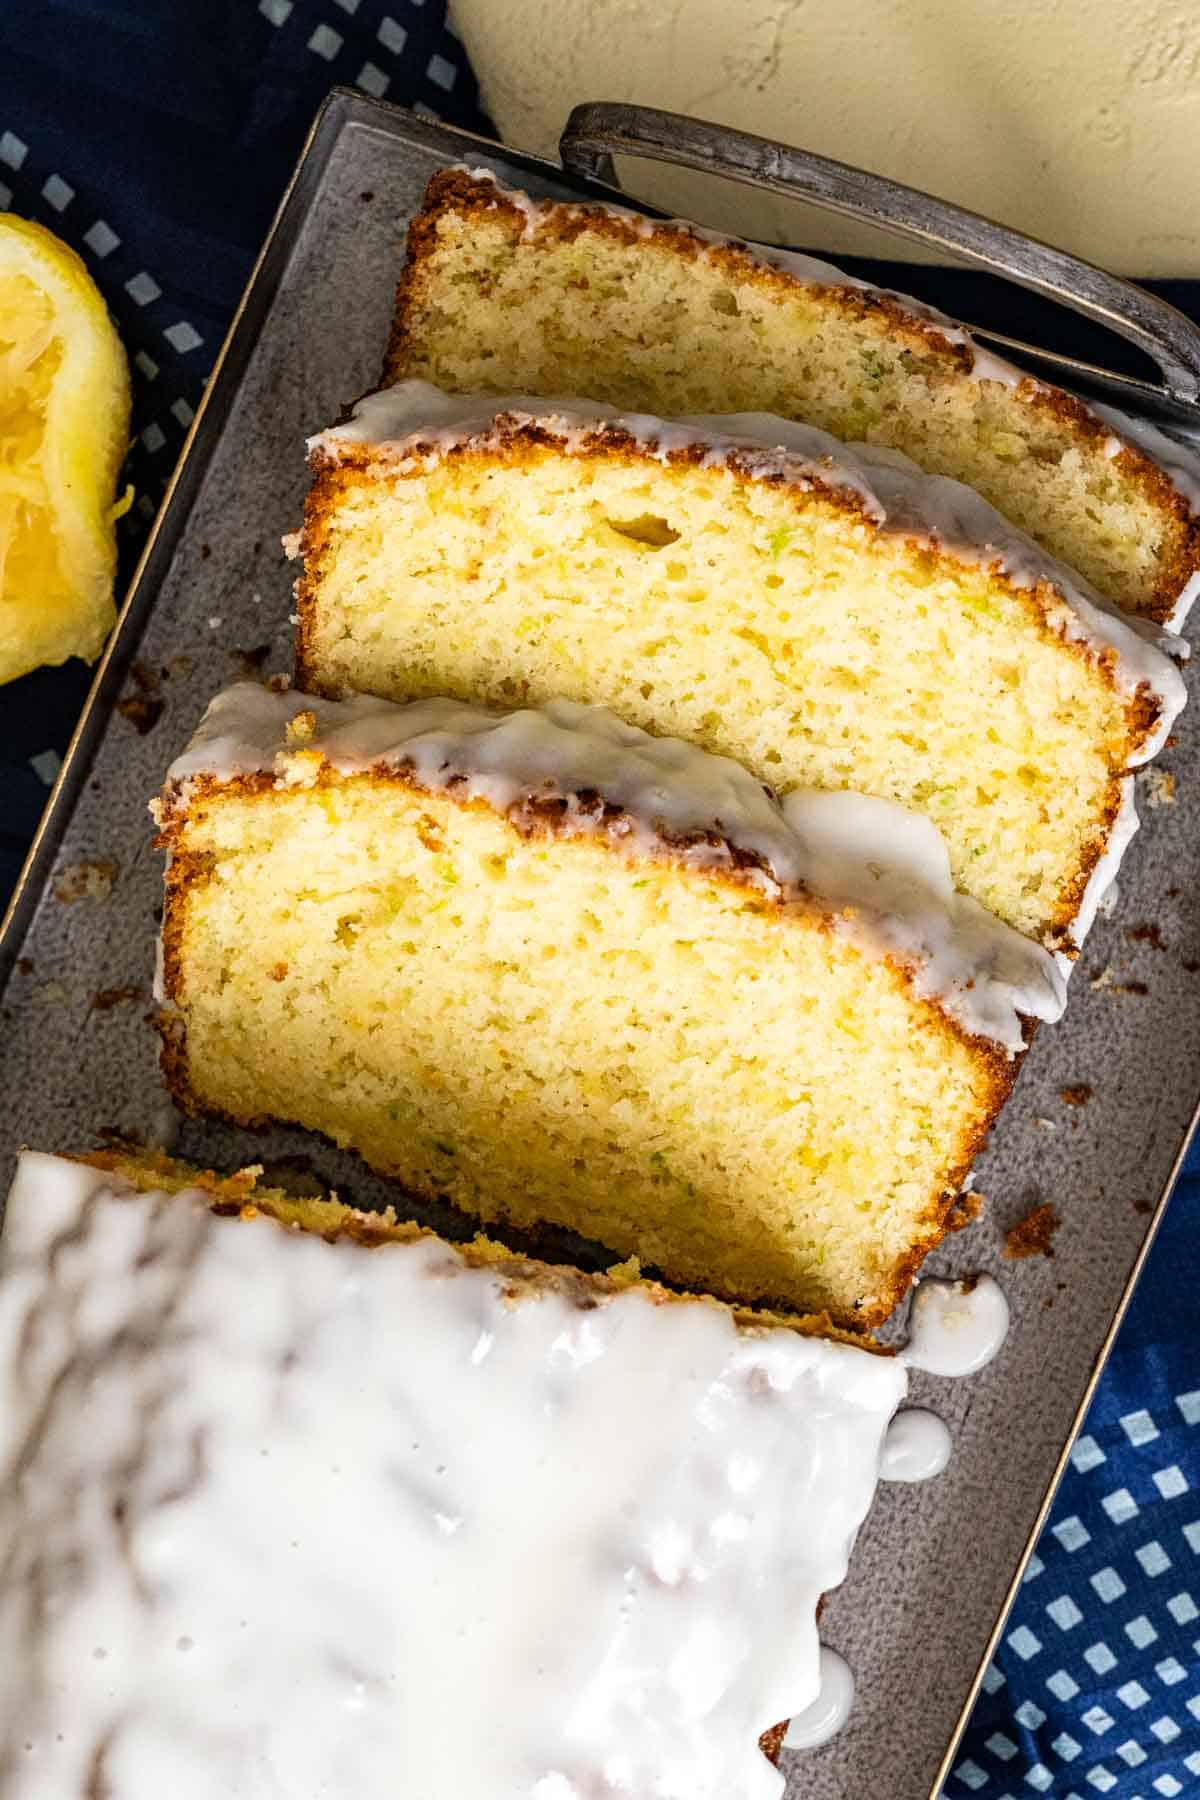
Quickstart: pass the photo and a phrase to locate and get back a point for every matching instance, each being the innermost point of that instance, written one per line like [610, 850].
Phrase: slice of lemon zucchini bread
[831, 616]
[561, 972]
[507, 294]
[571, 1485]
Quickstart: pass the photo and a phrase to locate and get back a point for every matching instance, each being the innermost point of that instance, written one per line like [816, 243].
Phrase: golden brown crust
[458, 191]
[771, 1742]
[522, 444]
[996, 1072]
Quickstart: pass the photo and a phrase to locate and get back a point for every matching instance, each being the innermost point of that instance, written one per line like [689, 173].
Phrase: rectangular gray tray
[937, 1564]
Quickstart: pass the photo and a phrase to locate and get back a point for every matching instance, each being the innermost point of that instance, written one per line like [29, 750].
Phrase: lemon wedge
[64, 425]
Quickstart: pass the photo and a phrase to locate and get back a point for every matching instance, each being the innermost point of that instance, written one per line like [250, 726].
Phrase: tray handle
[598, 130]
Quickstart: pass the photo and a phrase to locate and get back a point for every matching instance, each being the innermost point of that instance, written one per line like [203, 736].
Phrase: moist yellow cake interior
[581, 311]
[543, 1032]
[757, 620]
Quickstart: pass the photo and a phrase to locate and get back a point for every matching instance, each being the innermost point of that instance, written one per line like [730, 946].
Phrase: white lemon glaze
[882, 872]
[285, 1517]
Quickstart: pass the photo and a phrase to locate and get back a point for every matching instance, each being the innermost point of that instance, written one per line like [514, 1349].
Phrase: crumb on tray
[1033, 1235]
[86, 881]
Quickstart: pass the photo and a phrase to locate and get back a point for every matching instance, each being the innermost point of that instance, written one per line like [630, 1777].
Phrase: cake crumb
[52, 993]
[965, 1211]
[1033, 1235]
[1146, 934]
[179, 665]
[1106, 979]
[86, 881]
[142, 712]
[291, 544]
[1046, 1124]
[1159, 787]
[278, 684]
[1079, 1095]
[252, 660]
[302, 728]
[108, 998]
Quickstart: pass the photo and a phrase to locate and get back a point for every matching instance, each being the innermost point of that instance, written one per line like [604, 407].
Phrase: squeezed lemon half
[64, 425]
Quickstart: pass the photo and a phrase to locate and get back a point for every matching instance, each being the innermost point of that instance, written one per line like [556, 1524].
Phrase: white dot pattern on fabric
[57, 192]
[1108, 1584]
[326, 42]
[1120, 1506]
[183, 337]
[1171, 1482]
[392, 35]
[1071, 1534]
[1086, 1454]
[46, 765]
[972, 1775]
[12, 151]
[143, 288]
[1153, 1558]
[101, 239]
[1139, 1427]
[441, 73]
[373, 80]
[276, 11]
[1101, 1567]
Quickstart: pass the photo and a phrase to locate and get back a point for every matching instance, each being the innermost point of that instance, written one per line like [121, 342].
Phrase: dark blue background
[174, 128]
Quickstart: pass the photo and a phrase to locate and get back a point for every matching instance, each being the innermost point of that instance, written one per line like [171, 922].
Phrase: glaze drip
[956, 1327]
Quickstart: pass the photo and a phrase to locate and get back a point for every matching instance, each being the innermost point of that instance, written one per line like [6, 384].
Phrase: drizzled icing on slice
[414, 420]
[882, 872]
[289, 1517]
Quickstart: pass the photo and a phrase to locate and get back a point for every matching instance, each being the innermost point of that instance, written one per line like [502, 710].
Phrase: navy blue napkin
[156, 138]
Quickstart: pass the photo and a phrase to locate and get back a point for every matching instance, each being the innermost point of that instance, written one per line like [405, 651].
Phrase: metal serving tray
[937, 1564]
